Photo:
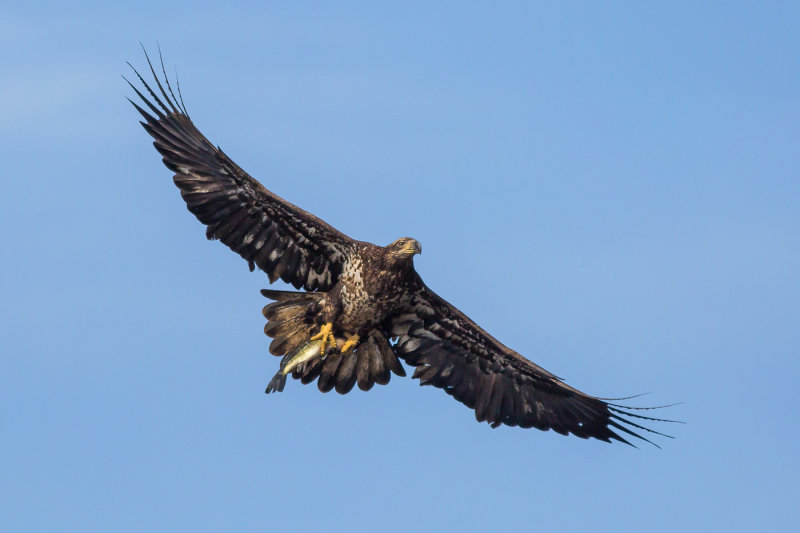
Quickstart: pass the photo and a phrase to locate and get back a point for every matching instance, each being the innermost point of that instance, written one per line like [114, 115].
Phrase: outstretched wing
[280, 238]
[453, 353]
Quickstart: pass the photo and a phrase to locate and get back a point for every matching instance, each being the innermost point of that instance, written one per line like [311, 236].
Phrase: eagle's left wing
[453, 353]
[281, 239]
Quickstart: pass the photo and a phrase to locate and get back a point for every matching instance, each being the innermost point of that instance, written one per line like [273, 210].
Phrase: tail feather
[346, 375]
[328, 372]
[363, 368]
[274, 328]
[290, 342]
[292, 296]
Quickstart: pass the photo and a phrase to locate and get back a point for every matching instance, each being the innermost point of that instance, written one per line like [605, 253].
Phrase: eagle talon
[350, 345]
[326, 336]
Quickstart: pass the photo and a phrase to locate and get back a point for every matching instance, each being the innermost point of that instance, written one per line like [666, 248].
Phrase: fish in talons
[302, 355]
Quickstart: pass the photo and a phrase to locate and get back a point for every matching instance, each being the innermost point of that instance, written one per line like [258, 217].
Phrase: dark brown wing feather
[280, 238]
[453, 353]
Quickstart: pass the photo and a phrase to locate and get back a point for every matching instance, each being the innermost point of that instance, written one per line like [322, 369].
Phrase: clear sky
[612, 189]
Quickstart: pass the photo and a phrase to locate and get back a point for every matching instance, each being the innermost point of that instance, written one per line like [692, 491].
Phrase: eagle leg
[350, 345]
[326, 336]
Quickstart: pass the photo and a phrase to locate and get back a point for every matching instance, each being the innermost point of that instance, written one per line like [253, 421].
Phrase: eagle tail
[291, 320]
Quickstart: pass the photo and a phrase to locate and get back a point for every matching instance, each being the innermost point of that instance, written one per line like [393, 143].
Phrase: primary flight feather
[363, 307]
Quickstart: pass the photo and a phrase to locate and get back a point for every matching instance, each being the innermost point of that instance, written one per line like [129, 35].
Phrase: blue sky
[611, 190]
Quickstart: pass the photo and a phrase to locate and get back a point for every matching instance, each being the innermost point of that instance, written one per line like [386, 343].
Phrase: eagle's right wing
[453, 353]
[280, 238]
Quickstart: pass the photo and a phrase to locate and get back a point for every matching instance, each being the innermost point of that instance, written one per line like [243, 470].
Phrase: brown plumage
[364, 306]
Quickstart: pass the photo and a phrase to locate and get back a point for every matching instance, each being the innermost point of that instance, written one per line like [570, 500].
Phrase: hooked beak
[413, 247]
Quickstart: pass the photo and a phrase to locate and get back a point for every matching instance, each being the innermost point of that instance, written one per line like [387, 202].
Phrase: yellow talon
[326, 336]
[350, 345]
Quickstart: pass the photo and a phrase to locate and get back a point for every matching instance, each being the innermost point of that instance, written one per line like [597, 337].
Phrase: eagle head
[404, 249]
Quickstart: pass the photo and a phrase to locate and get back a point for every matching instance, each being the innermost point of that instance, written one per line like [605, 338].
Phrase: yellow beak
[412, 247]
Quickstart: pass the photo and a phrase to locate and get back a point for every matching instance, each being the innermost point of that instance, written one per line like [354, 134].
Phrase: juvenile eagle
[363, 306]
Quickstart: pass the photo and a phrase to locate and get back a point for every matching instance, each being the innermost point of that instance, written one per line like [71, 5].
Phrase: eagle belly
[365, 294]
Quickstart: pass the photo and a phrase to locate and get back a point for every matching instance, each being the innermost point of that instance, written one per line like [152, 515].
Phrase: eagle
[361, 308]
